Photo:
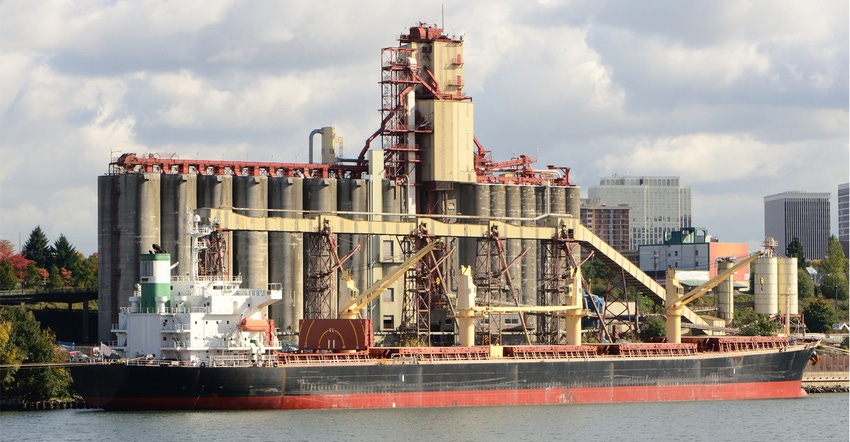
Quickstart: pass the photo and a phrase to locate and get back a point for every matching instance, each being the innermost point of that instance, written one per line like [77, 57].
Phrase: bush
[654, 327]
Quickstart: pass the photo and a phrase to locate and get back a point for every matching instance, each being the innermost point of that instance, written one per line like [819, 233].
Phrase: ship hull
[388, 384]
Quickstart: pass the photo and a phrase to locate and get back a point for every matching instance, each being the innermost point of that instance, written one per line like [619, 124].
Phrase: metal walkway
[633, 275]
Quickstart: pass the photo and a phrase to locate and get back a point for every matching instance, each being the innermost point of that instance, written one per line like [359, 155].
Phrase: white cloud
[739, 99]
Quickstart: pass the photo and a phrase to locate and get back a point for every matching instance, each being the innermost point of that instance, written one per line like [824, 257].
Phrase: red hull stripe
[765, 390]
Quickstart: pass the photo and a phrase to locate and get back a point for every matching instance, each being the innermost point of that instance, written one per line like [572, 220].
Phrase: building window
[511, 321]
[389, 321]
[387, 250]
[388, 295]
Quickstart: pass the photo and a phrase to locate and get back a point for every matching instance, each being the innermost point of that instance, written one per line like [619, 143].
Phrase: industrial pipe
[310, 154]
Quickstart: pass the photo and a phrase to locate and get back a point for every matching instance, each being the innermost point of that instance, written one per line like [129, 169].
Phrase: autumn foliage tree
[23, 341]
[41, 265]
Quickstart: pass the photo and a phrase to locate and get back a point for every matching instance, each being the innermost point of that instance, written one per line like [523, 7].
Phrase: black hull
[773, 374]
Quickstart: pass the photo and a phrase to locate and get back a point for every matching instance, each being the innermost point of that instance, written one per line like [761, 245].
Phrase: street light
[835, 297]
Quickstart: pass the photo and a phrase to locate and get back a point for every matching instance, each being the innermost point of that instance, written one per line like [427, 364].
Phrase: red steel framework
[558, 262]
[322, 265]
[492, 279]
[171, 164]
[425, 289]
[213, 259]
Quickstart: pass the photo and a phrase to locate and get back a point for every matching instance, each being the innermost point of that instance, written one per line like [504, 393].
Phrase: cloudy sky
[741, 99]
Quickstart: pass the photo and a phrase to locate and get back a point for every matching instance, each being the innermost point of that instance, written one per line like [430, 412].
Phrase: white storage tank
[766, 286]
[788, 290]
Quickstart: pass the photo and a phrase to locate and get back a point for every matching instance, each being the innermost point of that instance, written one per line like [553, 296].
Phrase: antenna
[443, 16]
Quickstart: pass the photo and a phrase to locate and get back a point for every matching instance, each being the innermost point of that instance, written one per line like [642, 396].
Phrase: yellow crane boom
[352, 309]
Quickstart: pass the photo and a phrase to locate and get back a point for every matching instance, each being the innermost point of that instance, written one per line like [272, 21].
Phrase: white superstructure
[194, 319]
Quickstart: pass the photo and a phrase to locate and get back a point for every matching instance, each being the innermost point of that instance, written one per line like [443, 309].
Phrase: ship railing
[760, 343]
[252, 292]
[177, 328]
[241, 360]
[725, 344]
[213, 278]
[551, 352]
[654, 350]
[175, 344]
[323, 358]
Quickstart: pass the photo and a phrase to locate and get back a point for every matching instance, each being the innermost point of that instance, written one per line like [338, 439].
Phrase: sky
[740, 99]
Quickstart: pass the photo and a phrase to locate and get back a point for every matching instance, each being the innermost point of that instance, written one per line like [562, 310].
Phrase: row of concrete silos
[519, 205]
[137, 210]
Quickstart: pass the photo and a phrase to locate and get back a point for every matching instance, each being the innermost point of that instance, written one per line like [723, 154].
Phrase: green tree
[654, 327]
[833, 268]
[34, 277]
[819, 315]
[795, 250]
[751, 323]
[805, 286]
[10, 355]
[595, 269]
[65, 254]
[54, 280]
[36, 248]
[27, 343]
[8, 280]
[84, 272]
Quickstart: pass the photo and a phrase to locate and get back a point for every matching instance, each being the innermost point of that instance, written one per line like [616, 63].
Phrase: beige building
[611, 223]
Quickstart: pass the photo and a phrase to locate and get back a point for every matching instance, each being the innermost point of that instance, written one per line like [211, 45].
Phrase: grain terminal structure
[304, 228]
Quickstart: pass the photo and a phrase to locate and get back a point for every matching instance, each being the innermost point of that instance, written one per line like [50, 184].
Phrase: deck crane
[352, 309]
[676, 301]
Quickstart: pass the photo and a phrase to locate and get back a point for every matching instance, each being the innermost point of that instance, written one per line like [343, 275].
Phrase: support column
[672, 309]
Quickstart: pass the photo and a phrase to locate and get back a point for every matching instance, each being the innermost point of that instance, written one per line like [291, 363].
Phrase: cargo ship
[203, 343]
[509, 246]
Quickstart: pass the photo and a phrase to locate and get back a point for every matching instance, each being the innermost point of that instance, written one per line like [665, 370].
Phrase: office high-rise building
[798, 214]
[659, 205]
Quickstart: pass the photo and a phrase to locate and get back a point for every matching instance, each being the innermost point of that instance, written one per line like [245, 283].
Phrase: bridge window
[389, 321]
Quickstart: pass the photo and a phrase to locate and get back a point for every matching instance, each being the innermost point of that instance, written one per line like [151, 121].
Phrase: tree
[20, 264]
[819, 315]
[66, 255]
[6, 249]
[834, 270]
[8, 280]
[751, 323]
[84, 273]
[654, 327]
[54, 279]
[795, 250]
[805, 286]
[10, 355]
[595, 269]
[27, 343]
[36, 248]
[34, 277]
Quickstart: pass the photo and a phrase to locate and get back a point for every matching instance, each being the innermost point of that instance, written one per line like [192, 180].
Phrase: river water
[817, 417]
